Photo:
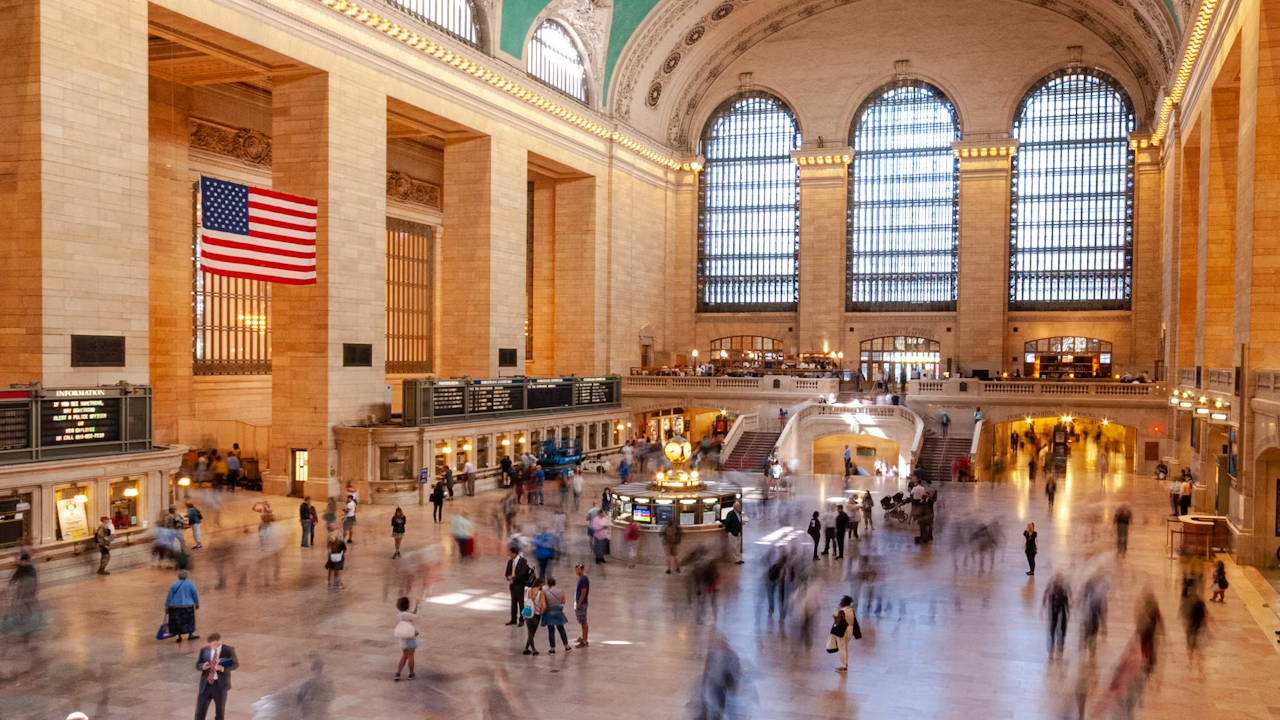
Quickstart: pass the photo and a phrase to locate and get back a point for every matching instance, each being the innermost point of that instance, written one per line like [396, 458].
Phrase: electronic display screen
[642, 514]
[550, 394]
[79, 420]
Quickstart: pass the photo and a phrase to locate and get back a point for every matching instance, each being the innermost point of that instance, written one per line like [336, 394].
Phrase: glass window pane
[456, 17]
[555, 60]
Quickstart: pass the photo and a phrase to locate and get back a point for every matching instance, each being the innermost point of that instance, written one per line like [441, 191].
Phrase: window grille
[1071, 209]
[904, 200]
[410, 296]
[456, 17]
[746, 342]
[749, 208]
[554, 59]
[232, 321]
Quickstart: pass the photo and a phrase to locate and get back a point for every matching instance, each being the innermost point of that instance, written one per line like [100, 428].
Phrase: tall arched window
[456, 17]
[904, 200]
[1071, 218]
[749, 208]
[554, 59]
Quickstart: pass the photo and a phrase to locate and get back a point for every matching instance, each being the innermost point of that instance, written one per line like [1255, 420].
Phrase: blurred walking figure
[337, 561]
[1150, 627]
[1219, 583]
[1194, 614]
[1184, 495]
[1057, 599]
[719, 680]
[1029, 547]
[316, 694]
[1051, 488]
[672, 536]
[534, 605]
[398, 521]
[180, 606]
[102, 539]
[1095, 620]
[815, 532]
[577, 490]
[1124, 517]
[631, 536]
[25, 617]
[599, 535]
[407, 634]
[946, 423]
[842, 630]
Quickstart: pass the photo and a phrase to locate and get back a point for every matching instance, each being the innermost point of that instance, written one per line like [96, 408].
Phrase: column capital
[1145, 151]
[692, 164]
[818, 157]
[1000, 147]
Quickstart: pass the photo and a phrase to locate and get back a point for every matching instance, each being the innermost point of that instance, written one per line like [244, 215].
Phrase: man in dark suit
[518, 572]
[215, 663]
[733, 525]
[842, 529]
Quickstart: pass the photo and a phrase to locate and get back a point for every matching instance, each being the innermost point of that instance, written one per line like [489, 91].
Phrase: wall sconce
[1218, 416]
[131, 492]
[184, 481]
[695, 353]
[505, 442]
[80, 498]
[445, 450]
[466, 448]
[521, 440]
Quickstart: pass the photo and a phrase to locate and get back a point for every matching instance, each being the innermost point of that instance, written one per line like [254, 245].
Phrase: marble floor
[941, 641]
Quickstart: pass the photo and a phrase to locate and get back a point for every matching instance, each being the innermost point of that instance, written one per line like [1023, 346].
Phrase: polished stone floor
[942, 640]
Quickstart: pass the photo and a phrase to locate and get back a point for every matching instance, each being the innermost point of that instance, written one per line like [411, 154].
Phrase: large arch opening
[1066, 357]
[872, 453]
[1071, 446]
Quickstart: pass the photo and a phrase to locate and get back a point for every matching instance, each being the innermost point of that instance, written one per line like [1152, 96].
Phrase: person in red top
[632, 537]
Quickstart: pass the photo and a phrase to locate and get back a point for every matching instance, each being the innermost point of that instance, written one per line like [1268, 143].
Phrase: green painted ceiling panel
[517, 17]
[627, 16]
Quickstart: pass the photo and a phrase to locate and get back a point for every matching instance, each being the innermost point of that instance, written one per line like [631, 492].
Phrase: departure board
[79, 420]
[15, 426]
[550, 393]
[448, 398]
[495, 396]
[594, 391]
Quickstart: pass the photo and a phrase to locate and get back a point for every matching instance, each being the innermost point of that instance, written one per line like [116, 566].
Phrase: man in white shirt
[349, 521]
[469, 477]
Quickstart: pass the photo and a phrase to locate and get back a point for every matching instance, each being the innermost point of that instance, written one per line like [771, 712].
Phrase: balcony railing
[1033, 389]
[781, 384]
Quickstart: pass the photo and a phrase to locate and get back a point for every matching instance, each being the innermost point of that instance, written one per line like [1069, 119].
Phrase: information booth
[676, 496]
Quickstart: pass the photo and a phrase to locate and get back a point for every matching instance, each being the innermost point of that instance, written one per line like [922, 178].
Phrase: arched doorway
[1067, 357]
[1066, 444]
[898, 358]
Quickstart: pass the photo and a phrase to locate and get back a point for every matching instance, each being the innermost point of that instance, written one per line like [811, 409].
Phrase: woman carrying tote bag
[844, 628]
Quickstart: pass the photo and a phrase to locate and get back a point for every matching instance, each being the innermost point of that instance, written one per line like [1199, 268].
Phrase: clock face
[677, 449]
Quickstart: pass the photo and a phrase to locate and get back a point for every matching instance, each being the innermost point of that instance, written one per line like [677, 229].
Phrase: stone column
[680, 335]
[542, 321]
[485, 219]
[1187, 236]
[824, 237]
[73, 187]
[982, 305]
[580, 278]
[329, 143]
[1215, 256]
[1146, 291]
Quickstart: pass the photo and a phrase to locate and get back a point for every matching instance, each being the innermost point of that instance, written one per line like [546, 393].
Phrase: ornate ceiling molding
[589, 19]
[1141, 32]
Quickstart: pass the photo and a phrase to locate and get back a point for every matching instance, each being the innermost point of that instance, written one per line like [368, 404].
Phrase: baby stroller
[893, 507]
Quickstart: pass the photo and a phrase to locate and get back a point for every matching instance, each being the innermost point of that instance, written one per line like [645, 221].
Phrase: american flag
[247, 232]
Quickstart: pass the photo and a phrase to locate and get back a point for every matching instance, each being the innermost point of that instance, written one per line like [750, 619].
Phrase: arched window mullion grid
[749, 207]
[1071, 198]
[555, 59]
[904, 201]
[456, 17]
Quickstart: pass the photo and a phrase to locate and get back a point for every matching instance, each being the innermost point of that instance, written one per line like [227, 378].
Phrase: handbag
[335, 557]
[404, 630]
[163, 633]
[831, 644]
[857, 630]
[840, 626]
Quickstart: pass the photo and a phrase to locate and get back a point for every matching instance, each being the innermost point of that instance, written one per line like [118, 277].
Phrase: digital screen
[447, 400]
[593, 391]
[82, 420]
[664, 514]
[642, 514]
[15, 426]
[553, 394]
[496, 396]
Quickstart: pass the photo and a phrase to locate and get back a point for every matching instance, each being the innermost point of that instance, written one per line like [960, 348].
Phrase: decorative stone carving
[248, 146]
[408, 189]
[590, 22]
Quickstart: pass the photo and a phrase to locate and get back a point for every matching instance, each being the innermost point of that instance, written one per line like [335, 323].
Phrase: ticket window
[72, 513]
[482, 451]
[503, 447]
[689, 509]
[591, 437]
[462, 453]
[125, 493]
[15, 520]
[535, 443]
[441, 454]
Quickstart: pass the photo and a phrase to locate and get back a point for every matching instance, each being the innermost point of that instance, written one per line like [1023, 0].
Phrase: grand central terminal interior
[838, 358]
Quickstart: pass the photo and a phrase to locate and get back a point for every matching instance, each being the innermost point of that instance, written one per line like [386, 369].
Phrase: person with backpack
[519, 577]
[1220, 583]
[194, 518]
[815, 532]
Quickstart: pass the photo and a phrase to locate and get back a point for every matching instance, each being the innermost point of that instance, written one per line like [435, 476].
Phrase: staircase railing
[744, 424]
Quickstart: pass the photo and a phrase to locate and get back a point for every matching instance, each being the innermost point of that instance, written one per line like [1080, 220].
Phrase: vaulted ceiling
[651, 51]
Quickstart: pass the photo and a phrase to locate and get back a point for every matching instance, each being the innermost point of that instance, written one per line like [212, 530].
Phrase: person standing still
[632, 538]
[1029, 547]
[437, 502]
[733, 525]
[537, 604]
[407, 634]
[233, 469]
[945, 421]
[1184, 495]
[215, 663]
[195, 519]
[815, 532]
[553, 615]
[1124, 516]
[398, 521]
[577, 490]
[842, 529]
[518, 577]
[581, 592]
[307, 518]
[672, 536]
[180, 606]
[848, 461]
[337, 561]
[846, 614]
[1175, 494]
[469, 477]
[349, 521]
[102, 538]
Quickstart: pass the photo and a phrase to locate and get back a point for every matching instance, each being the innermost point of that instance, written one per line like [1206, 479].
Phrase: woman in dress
[180, 605]
[337, 559]
[534, 599]
[397, 530]
[553, 616]
[408, 635]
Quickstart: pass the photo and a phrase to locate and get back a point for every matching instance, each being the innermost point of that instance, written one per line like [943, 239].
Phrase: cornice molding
[823, 156]
[1189, 56]
[970, 149]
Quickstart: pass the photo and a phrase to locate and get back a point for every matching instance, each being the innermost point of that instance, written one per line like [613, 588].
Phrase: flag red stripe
[263, 278]
[256, 263]
[282, 238]
[217, 242]
[282, 210]
[281, 224]
[282, 196]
